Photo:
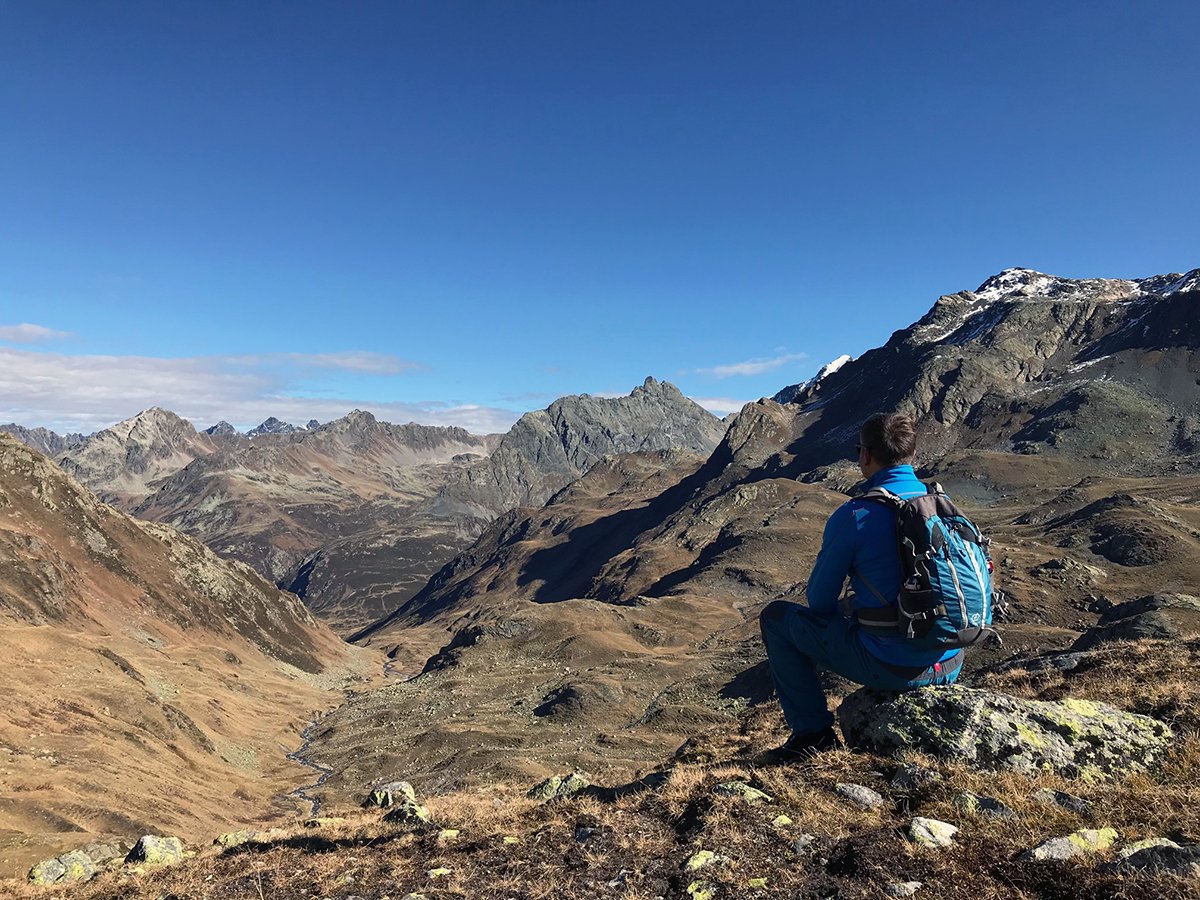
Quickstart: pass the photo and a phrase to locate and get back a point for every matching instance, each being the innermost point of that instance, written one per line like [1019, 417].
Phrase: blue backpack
[945, 596]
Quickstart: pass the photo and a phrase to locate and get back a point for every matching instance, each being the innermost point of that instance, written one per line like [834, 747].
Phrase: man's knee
[773, 614]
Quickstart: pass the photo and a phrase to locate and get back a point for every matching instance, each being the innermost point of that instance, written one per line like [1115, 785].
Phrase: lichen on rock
[153, 850]
[989, 730]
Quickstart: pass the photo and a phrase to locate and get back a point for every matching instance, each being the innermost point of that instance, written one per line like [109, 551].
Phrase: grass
[632, 842]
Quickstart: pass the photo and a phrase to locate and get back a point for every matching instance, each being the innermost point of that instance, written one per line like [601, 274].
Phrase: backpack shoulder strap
[883, 496]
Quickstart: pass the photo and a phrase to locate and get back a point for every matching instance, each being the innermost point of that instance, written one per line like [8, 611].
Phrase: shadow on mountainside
[567, 570]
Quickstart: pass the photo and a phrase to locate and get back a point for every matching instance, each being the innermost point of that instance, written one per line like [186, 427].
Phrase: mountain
[123, 464]
[149, 684]
[221, 428]
[273, 501]
[365, 576]
[42, 439]
[273, 426]
[547, 449]
[1096, 372]
[625, 609]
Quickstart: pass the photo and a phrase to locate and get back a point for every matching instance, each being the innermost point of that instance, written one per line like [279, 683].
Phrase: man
[859, 543]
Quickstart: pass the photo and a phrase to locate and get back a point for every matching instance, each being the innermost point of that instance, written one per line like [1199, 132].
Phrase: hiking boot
[801, 747]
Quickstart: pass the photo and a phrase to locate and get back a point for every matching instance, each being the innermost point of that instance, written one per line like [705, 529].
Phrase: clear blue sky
[428, 207]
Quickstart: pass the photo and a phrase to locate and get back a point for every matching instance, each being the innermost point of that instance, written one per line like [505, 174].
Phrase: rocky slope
[140, 668]
[42, 440]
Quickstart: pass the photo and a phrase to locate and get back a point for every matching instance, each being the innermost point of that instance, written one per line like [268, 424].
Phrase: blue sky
[455, 212]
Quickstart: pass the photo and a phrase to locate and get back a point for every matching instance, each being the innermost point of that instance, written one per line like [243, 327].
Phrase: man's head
[886, 439]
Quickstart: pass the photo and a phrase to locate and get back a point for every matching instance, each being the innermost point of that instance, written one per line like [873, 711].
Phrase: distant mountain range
[356, 514]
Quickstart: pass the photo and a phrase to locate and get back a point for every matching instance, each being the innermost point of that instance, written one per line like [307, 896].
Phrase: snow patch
[830, 367]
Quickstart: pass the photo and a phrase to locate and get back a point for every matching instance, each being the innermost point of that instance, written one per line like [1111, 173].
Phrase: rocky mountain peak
[221, 428]
[121, 462]
[273, 425]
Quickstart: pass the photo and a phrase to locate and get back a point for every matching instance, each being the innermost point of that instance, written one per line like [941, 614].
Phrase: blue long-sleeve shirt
[860, 543]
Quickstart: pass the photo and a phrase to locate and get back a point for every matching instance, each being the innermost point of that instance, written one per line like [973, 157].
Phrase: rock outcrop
[1161, 616]
[1075, 738]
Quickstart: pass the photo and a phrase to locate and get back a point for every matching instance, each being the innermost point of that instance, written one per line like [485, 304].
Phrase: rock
[511, 839]
[153, 850]
[558, 786]
[1069, 802]
[414, 897]
[1159, 860]
[781, 821]
[65, 869]
[408, 813]
[862, 797]
[583, 832]
[989, 730]
[448, 836]
[234, 838]
[385, 796]
[1159, 616]
[804, 843]
[102, 852]
[700, 859]
[979, 805]
[759, 884]
[931, 832]
[743, 790]
[903, 888]
[439, 872]
[1138, 846]
[1083, 842]
[324, 822]
[911, 777]
[701, 890]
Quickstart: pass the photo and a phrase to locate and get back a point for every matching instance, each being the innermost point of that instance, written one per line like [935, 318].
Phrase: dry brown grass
[636, 841]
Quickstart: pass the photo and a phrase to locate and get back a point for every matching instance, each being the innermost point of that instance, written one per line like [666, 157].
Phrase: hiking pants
[799, 640]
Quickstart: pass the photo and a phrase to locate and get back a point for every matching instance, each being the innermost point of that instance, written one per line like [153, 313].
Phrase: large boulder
[989, 730]
[70, 867]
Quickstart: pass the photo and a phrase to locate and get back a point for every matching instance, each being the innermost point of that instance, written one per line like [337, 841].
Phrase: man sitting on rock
[859, 543]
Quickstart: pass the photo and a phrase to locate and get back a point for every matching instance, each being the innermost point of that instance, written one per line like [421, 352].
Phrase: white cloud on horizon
[720, 406]
[27, 333]
[752, 366]
[88, 393]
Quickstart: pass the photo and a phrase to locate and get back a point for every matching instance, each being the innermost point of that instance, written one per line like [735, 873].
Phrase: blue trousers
[799, 640]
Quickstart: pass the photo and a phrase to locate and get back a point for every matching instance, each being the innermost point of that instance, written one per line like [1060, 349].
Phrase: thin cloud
[26, 333]
[87, 393]
[752, 366]
[720, 406]
[360, 361]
